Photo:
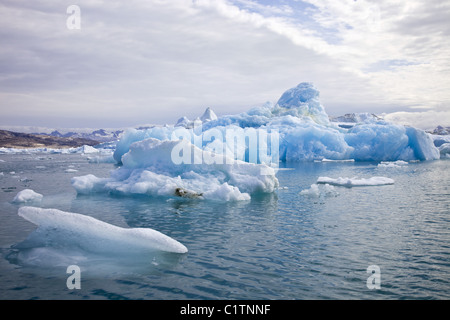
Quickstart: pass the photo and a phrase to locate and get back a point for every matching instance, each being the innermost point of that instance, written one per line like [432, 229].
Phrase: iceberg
[27, 195]
[305, 132]
[155, 168]
[92, 235]
[355, 182]
[190, 159]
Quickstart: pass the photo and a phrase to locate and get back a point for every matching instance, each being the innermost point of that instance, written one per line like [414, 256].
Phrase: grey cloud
[144, 62]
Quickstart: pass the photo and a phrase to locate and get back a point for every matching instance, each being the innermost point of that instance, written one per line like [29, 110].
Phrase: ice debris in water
[392, 164]
[316, 191]
[355, 182]
[83, 150]
[27, 195]
[93, 235]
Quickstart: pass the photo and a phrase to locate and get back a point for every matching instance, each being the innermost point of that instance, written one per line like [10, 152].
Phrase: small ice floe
[355, 182]
[70, 170]
[343, 160]
[392, 164]
[102, 159]
[92, 235]
[27, 195]
[317, 191]
[88, 149]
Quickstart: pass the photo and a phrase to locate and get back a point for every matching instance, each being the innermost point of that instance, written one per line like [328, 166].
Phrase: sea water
[285, 245]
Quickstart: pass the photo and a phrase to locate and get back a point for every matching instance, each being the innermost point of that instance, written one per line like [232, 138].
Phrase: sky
[118, 64]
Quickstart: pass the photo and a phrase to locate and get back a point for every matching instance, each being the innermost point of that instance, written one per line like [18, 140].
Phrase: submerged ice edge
[93, 235]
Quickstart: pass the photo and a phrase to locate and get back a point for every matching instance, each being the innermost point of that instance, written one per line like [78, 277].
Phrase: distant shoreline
[10, 139]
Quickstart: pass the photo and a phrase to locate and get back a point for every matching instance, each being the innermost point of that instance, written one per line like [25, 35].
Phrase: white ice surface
[94, 235]
[355, 182]
[27, 195]
[149, 168]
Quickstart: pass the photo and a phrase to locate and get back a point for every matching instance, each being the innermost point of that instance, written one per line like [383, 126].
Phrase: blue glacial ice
[296, 128]
[151, 168]
[306, 133]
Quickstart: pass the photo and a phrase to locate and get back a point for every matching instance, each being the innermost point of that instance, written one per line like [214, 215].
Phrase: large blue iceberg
[305, 132]
[235, 156]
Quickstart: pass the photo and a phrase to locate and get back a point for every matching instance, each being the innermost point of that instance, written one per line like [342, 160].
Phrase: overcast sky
[151, 62]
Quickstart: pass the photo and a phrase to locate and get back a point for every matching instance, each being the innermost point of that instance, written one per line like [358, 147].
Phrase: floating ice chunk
[329, 190]
[89, 183]
[355, 182]
[342, 160]
[88, 149]
[102, 159]
[153, 167]
[27, 195]
[93, 235]
[313, 191]
[392, 164]
[316, 191]
[70, 170]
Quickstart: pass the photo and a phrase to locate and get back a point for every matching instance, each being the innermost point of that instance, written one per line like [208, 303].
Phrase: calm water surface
[279, 246]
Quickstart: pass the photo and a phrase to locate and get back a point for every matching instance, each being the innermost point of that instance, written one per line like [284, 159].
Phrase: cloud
[154, 61]
[426, 120]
